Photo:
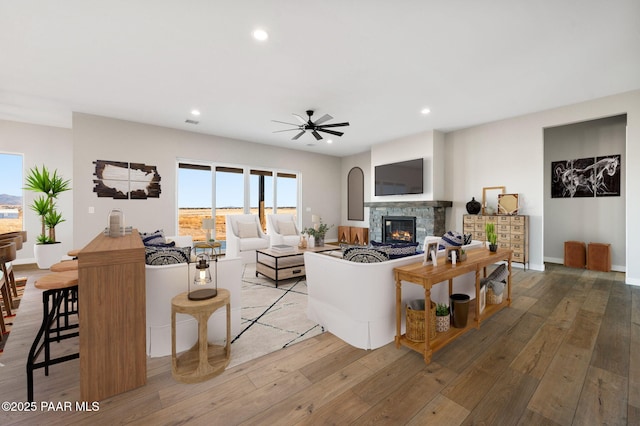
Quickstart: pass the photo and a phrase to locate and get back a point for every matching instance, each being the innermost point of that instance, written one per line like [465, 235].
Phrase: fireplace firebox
[398, 229]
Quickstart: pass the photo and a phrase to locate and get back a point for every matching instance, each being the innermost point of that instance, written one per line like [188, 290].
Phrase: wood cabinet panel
[112, 301]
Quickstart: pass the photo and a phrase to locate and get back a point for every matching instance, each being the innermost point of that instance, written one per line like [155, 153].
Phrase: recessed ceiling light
[425, 111]
[329, 141]
[260, 35]
[195, 112]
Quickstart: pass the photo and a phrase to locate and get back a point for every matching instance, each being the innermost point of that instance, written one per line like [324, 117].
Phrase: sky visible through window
[195, 190]
[11, 174]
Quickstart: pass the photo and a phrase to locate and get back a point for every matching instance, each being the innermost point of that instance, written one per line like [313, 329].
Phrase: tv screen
[404, 177]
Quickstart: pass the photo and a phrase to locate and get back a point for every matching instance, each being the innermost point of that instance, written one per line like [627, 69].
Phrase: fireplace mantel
[430, 216]
[403, 204]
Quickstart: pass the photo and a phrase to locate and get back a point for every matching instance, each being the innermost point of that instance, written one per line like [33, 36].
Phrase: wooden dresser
[111, 293]
[513, 232]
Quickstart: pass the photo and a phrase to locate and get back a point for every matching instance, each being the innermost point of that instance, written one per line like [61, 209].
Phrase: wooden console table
[428, 276]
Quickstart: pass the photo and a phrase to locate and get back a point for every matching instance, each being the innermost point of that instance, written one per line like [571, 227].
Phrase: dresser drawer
[502, 244]
[517, 229]
[491, 219]
[504, 229]
[480, 236]
[469, 227]
[517, 247]
[518, 220]
[518, 238]
[466, 219]
[518, 257]
[504, 238]
[504, 220]
[480, 227]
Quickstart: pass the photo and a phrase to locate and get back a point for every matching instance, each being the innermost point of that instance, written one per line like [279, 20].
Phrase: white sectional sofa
[357, 301]
[166, 281]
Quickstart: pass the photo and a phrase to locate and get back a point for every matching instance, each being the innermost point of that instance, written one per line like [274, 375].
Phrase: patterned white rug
[272, 318]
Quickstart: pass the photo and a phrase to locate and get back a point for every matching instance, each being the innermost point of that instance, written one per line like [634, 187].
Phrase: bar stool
[65, 265]
[6, 261]
[59, 302]
[7, 254]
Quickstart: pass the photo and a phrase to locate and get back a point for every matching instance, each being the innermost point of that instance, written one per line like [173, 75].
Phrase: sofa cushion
[153, 238]
[396, 250]
[246, 244]
[166, 255]
[247, 230]
[365, 255]
[287, 228]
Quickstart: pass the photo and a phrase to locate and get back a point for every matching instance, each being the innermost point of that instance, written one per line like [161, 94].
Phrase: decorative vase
[473, 206]
[442, 323]
[303, 242]
[319, 241]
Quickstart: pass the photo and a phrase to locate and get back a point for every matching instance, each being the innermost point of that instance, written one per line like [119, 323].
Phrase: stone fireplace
[399, 229]
[429, 217]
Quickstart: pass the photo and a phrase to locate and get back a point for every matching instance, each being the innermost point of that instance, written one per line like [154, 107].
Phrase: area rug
[8, 320]
[272, 318]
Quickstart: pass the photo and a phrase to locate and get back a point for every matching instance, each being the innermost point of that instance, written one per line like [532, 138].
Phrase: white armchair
[282, 229]
[245, 236]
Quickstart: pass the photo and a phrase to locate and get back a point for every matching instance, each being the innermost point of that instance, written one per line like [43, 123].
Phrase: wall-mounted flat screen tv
[405, 177]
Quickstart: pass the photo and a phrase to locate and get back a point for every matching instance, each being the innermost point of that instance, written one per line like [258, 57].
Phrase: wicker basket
[415, 324]
[492, 299]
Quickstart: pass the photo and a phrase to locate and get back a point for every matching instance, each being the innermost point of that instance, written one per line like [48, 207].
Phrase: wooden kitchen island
[428, 276]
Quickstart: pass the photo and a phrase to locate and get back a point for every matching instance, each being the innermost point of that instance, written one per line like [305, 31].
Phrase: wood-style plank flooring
[565, 353]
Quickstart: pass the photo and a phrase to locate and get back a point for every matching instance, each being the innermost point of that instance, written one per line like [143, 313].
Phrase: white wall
[426, 145]
[100, 138]
[510, 153]
[53, 147]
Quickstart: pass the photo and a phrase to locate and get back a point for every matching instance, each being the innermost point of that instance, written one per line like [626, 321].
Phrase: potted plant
[318, 233]
[492, 237]
[442, 318]
[49, 185]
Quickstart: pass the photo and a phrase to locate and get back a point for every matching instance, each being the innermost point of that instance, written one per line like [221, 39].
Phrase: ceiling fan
[314, 127]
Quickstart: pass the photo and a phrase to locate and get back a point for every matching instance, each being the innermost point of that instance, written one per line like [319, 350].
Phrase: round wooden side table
[213, 246]
[203, 360]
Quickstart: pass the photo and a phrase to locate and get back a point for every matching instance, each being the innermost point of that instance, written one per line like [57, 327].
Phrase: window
[229, 196]
[11, 211]
[287, 193]
[194, 199]
[231, 190]
[261, 195]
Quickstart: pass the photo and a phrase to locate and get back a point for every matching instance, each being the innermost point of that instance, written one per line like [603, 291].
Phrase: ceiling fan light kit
[306, 125]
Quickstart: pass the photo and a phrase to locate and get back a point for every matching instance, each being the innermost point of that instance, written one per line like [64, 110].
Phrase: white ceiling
[373, 63]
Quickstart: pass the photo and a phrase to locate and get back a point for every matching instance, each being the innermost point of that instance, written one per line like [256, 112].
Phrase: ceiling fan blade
[322, 119]
[334, 125]
[298, 135]
[316, 135]
[284, 122]
[285, 130]
[333, 132]
[300, 118]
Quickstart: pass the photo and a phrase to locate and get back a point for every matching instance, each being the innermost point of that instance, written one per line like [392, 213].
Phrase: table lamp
[208, 224]
[203, 278]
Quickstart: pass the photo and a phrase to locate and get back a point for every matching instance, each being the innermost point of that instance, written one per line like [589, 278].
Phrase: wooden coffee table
[280, 266]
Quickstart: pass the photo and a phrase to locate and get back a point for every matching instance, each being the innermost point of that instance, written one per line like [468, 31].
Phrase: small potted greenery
[442, 318]
[492, 237]
[318, 233]
[49, 185]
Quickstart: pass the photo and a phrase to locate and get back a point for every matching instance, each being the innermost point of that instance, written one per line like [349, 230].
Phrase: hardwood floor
[567, 352]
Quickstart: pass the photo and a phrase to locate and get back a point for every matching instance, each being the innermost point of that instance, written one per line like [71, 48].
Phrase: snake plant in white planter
[49, 185]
